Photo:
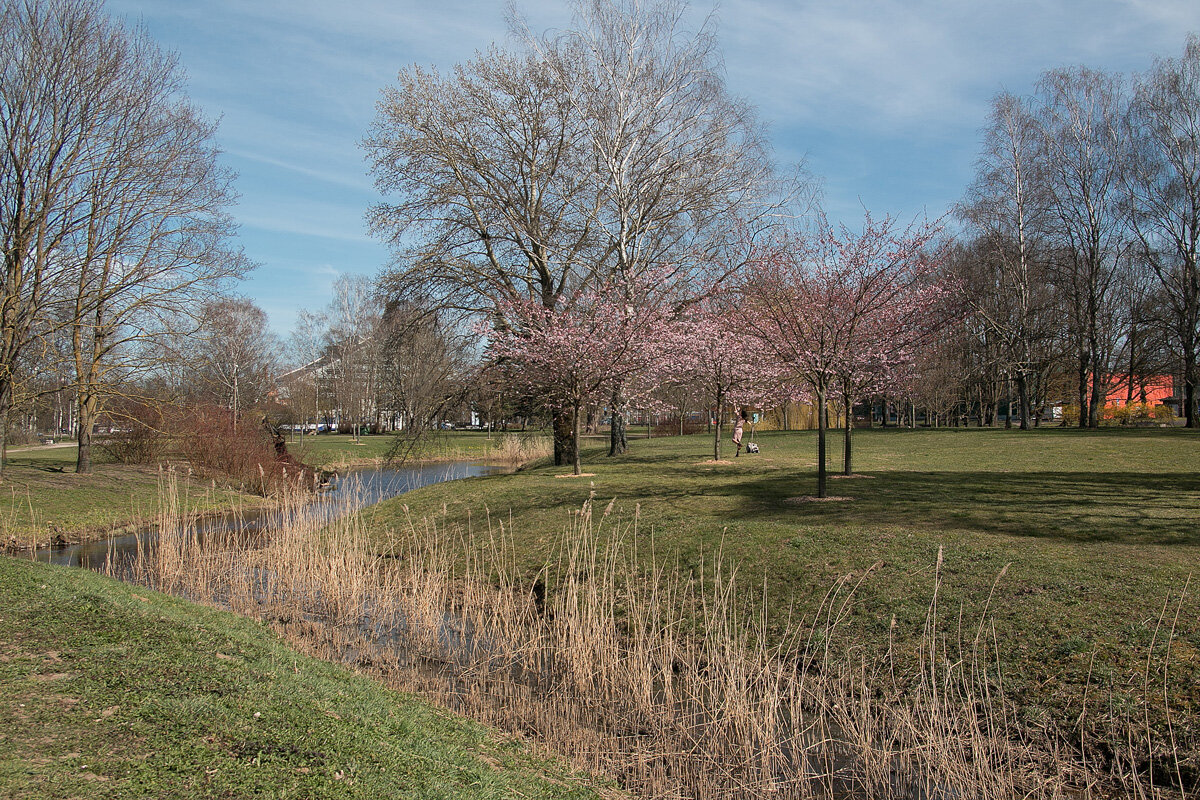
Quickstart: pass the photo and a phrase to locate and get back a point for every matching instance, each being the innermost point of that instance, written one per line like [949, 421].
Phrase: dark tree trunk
[87, 418]
[1008, 389]
[717, 433]
[1082, 390]
[1023, 398]
[5, 407]
[1189, 404]
[1096, 403]
[564, 439]
[576, 423]
[618, 437]
[822, 424]
[83, 459]
[847, 447]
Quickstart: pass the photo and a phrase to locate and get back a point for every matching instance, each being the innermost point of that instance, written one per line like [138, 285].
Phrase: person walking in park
[737, 431]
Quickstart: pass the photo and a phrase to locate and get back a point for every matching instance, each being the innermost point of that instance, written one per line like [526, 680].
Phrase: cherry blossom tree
[569, 358]
[834, 305]
[713, 351]
[881, 359]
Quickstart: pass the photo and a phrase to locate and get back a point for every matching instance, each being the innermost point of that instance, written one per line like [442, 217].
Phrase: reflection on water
[365, 487]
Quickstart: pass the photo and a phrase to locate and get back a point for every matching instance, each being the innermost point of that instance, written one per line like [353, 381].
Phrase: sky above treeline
[884, 101]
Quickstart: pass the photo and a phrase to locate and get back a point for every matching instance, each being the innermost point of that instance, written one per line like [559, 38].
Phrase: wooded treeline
[113, 209]
[607, 159]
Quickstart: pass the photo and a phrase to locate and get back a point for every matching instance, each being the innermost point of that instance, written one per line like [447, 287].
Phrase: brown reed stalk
[675, 684]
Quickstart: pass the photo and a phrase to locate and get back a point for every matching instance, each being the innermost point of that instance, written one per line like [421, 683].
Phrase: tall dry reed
[674, 685]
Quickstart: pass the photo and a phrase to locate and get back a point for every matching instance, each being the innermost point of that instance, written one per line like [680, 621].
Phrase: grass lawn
[41, 496]
[113, 691]
[1097, 535]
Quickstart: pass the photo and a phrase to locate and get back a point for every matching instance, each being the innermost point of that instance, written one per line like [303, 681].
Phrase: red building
[1152, 389]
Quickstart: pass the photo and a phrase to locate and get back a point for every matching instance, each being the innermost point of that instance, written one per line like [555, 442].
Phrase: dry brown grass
[664, 681]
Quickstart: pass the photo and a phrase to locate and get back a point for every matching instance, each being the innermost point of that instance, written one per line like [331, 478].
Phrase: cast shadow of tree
[1116, 507]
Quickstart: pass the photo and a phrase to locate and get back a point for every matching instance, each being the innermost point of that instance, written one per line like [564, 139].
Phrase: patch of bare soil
[580, 475]
[852, 476]
[713, 461]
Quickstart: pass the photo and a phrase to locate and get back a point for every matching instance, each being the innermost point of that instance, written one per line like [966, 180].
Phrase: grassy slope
[108, 690]
[41, 496]
[324, 450]
[1099, 531]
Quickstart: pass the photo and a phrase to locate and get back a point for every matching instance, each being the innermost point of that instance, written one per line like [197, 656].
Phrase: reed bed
[674, 684]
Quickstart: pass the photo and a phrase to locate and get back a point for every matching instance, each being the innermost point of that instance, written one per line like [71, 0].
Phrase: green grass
[41, 496]
[112, 691]
[1096, 532]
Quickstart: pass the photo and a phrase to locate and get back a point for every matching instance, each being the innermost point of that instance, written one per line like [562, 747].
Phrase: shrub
[141, 435]
[1133, 413]
[241, 452]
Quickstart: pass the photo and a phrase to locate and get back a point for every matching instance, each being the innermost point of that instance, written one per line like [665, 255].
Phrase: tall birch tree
[1162, 178]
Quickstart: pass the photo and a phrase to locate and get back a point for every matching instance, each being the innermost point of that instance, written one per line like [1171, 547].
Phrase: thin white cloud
[885, 97]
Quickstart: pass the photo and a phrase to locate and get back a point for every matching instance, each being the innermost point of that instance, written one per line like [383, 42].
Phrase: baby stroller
[752, 446]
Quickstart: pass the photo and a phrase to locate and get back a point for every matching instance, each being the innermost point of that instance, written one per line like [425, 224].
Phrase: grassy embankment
[109, 690]
[1079, 545]
[343, 450]
[42, 497]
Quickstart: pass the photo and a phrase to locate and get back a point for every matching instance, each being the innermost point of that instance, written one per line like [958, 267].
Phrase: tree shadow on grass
[1132, 508]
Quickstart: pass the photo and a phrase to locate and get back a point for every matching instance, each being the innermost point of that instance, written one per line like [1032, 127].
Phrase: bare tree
[112, 201]
[600, 154]
[352, 347]
[54, 82]
[676, 160]
[152, 247]
[1080, 111]
[425, 370]
[1163, 182]
[235, 355]
[1008, 204]
[302, 383]
[488, 181]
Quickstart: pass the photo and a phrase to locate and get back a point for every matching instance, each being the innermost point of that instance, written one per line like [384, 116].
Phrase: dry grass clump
[519, 448]
[673, 684]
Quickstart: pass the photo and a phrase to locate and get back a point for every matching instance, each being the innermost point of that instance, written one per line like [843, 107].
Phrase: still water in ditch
[365, 487]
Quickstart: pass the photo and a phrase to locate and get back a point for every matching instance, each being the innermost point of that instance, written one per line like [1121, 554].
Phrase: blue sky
[884, 100]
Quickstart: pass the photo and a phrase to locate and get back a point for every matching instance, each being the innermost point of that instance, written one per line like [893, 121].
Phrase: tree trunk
[575, 439]
[717, 434]
[564, 439]
[822, 424]
[1082, 391]
[5, 407]
[1099, 394]
[618, 438]
[87, 417]
[1189, 402]
[1008, 404]
[1023, 398]
[846, 446]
